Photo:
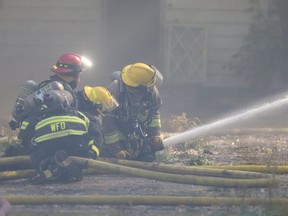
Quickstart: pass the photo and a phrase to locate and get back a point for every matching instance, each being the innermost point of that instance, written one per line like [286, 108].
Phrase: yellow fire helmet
[138, 74]
[101, 98]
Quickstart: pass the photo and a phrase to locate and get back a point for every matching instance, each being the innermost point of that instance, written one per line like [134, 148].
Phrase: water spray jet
[246, 114]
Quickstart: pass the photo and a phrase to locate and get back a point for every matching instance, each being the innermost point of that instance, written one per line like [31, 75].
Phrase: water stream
[244, 115]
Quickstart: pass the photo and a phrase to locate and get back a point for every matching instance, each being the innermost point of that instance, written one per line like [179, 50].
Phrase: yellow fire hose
[197, 170]
[216, 171]
[15, 174]
[188, 170]
[101, 166]
[23, 160]
[176, 178]
[142, 200]
[19, 174]
[253, 168]
[249, 176]
[97, 166]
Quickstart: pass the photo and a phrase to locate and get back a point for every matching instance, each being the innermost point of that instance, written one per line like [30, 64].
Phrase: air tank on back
[37, 99]
[27, 88]
[58, 99]
[29, 101]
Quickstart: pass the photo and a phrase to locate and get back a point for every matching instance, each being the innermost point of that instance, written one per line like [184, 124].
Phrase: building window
[185, 53]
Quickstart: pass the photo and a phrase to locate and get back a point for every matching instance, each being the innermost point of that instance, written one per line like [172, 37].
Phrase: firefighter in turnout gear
[133, 130]
[66, 132]
[66, 75]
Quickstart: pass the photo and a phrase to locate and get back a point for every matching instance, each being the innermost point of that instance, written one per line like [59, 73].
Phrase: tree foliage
[262, 54]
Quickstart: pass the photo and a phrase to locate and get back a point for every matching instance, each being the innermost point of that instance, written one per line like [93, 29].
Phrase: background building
[192, 42]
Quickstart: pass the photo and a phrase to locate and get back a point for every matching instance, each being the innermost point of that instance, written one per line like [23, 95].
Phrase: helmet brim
[61, 70]
[88, 92]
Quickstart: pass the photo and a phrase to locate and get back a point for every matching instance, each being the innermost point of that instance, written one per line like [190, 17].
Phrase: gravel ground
[228, 149]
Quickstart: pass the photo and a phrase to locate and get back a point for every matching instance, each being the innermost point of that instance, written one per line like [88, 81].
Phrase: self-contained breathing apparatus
[137, 142]
[34, 99]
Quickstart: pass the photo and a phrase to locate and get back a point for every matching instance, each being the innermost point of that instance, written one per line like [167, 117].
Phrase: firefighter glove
[93, 151]
[156, 143]
[13, 124]
[123, 154]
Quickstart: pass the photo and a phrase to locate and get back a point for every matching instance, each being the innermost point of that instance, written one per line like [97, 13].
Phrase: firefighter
[67, 71]
[66, 74]
[97, 96]
[66, 132]
[133, 130]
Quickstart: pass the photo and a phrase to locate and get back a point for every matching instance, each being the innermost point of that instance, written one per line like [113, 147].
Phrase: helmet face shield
[108, 105]
[158, 75]
[152, 82]
[101, 99]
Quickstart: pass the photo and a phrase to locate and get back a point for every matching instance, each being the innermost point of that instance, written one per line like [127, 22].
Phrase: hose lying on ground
[141, 200]
[176, 178]
[215, 172]
[17, 160]
[259, 180]
[96, 166]
[184, 179]
[253, 168]
[20, 174]
[15, 174]
[100, 166]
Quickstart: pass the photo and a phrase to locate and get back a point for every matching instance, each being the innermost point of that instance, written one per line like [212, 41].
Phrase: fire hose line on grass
[252, 168]
[22, 160]
[260, 180]
[176, 178]
[251, 171]
[188, 170]
[142, 200]
[99, 167]
[20, 174]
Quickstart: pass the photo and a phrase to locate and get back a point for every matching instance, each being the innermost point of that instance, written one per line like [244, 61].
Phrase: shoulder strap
[45, 82]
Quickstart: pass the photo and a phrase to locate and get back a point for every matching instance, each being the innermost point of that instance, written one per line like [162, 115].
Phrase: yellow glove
[123, 154]
[156, 143]
[93, 150]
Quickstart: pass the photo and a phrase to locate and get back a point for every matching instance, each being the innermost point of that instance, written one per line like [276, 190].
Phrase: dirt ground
[263, 148]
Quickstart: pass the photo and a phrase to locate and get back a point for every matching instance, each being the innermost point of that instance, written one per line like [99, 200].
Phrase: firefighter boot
[70, 172]
[47, 171]
[148, 157]
[146, 154]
